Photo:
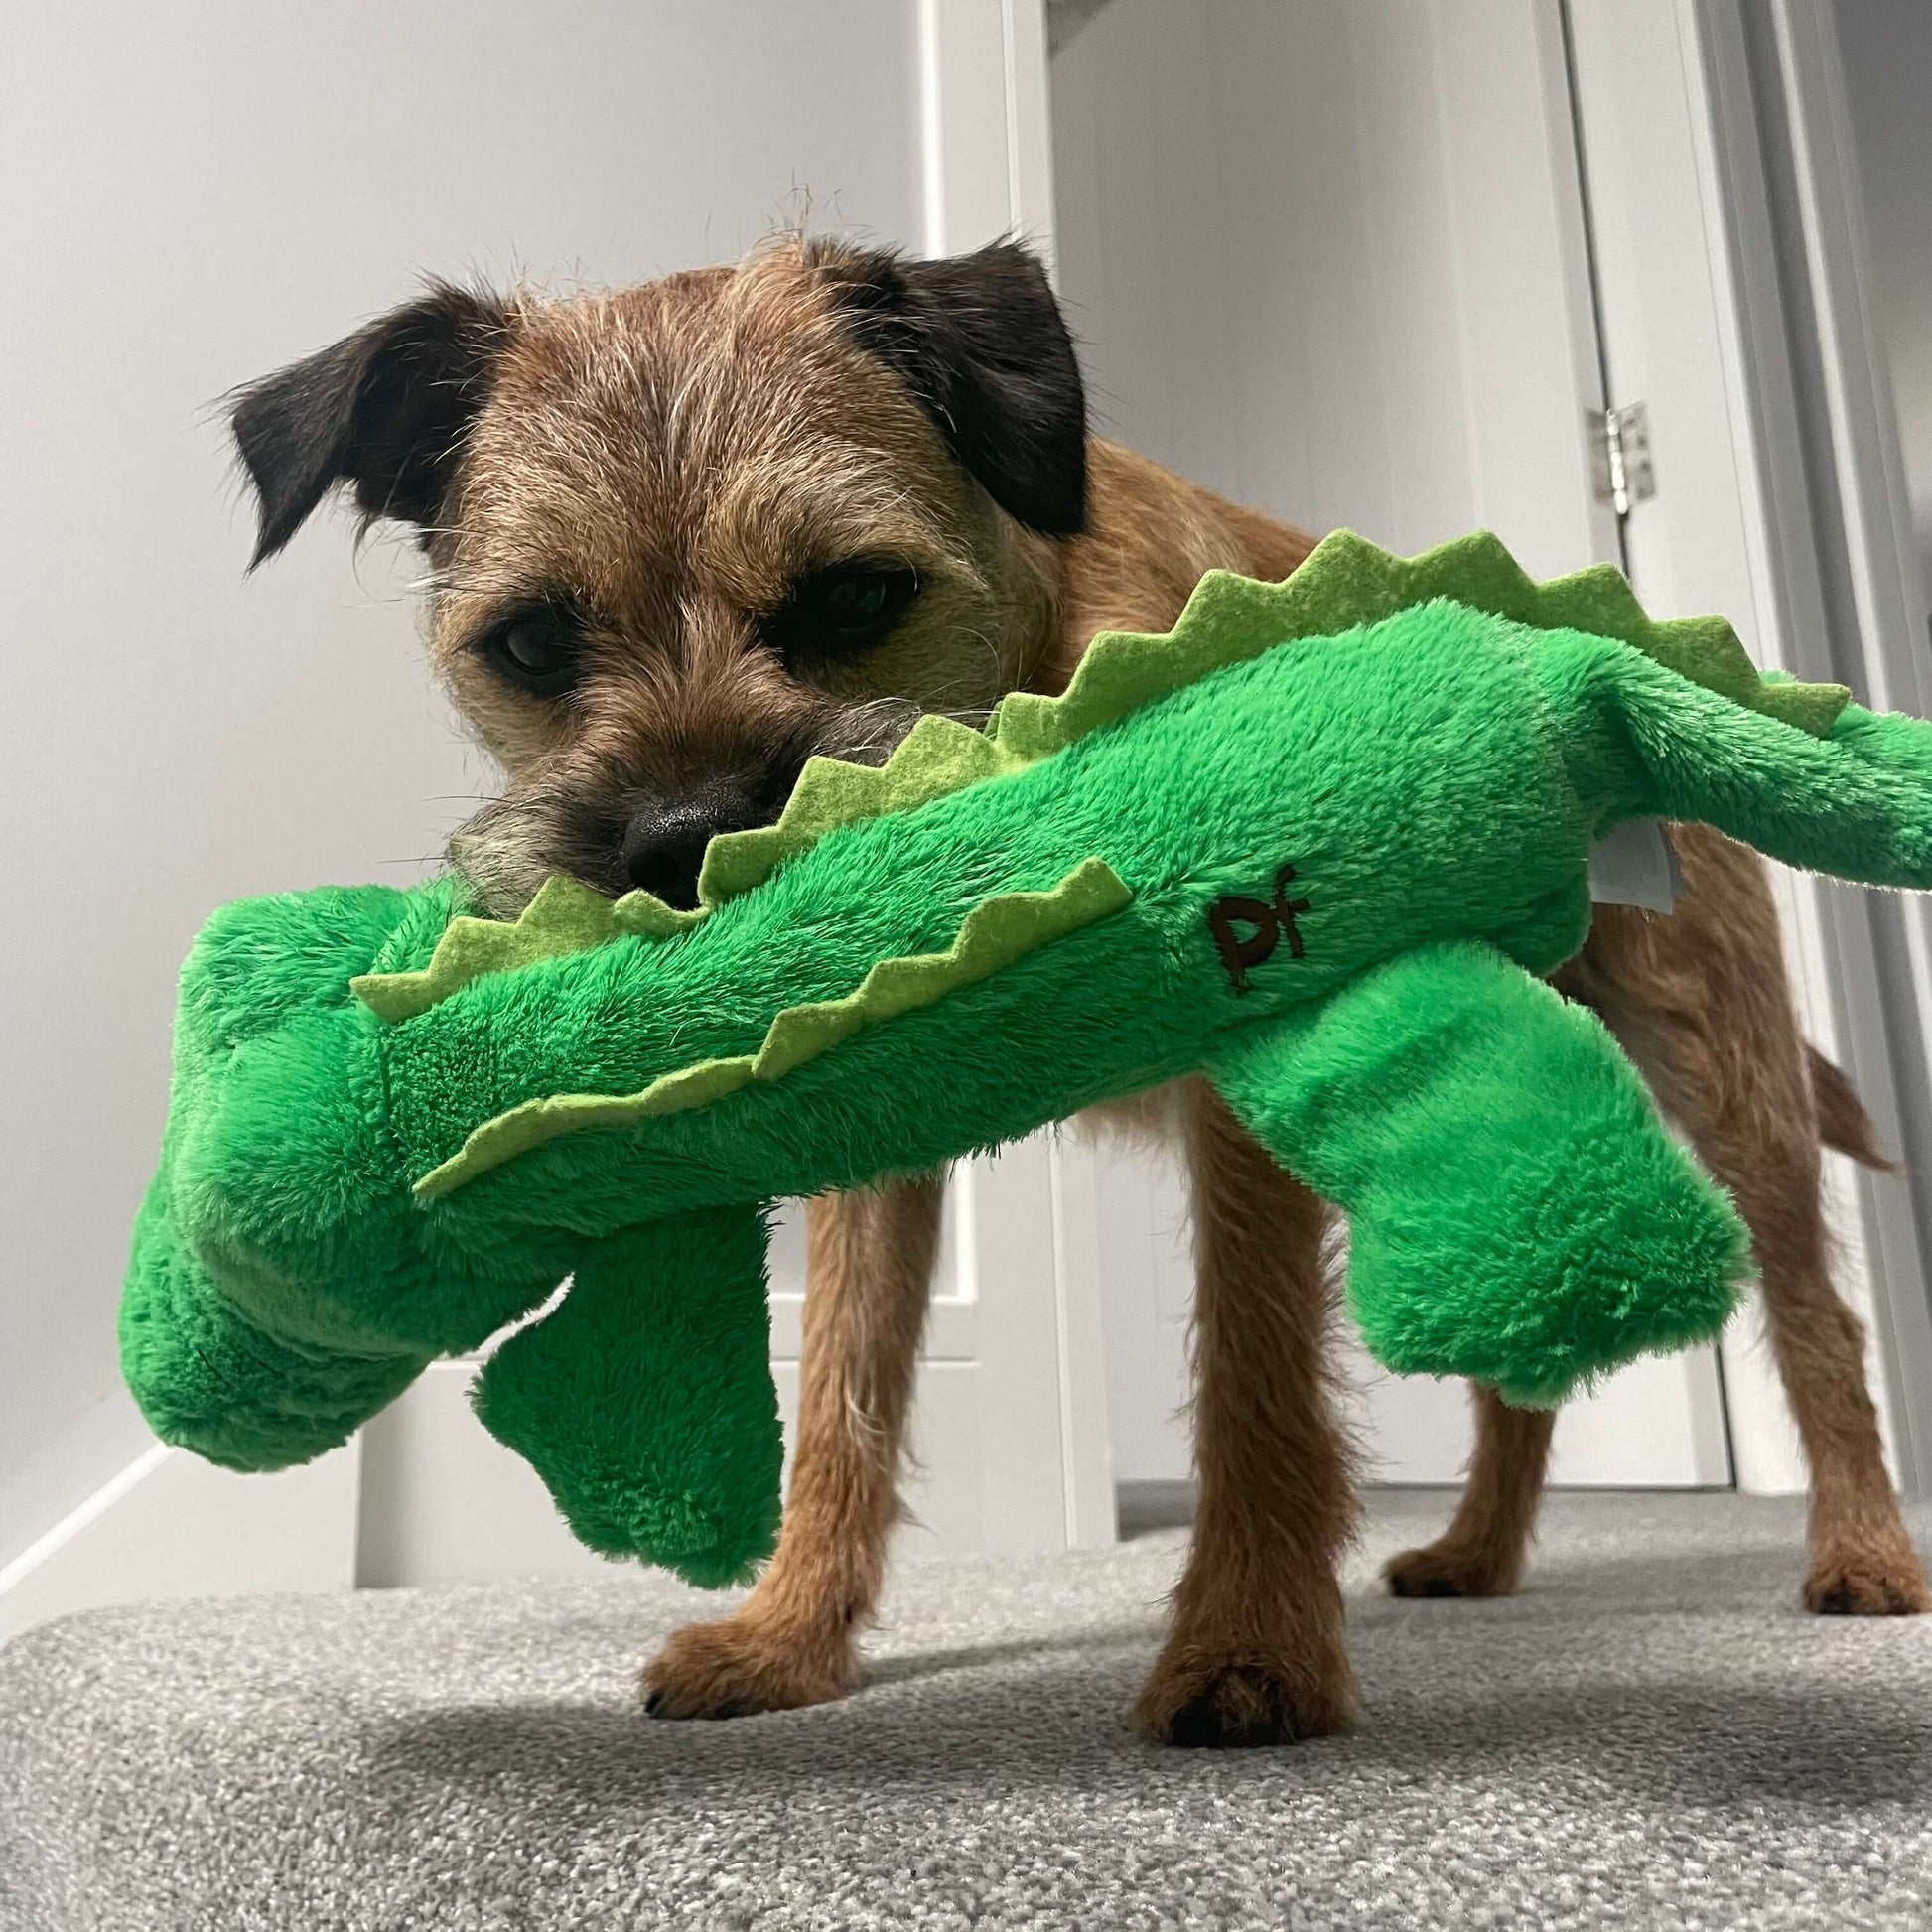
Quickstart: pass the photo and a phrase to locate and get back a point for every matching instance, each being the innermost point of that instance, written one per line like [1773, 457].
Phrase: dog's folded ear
[385, 410]
[980, 341]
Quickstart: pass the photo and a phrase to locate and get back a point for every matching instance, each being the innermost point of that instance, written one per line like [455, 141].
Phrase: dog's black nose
[662, 847]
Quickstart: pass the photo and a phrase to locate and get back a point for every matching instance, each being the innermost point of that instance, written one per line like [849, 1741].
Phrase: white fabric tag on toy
[1634, 865]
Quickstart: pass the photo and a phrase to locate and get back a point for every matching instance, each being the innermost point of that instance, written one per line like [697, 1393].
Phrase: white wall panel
[194, 194]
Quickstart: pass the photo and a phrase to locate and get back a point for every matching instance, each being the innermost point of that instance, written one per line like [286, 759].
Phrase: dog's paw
[1197, 1700]
[740, 1665]
[1888, 1580]
[1448, 1569]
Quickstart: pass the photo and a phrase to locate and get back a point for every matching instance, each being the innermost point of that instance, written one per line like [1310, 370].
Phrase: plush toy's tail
[1855, 802]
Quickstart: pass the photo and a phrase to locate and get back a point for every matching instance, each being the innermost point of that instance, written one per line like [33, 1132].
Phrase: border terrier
[683, 536]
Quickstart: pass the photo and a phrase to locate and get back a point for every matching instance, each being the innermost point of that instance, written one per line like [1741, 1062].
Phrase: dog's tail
[1843, 1123]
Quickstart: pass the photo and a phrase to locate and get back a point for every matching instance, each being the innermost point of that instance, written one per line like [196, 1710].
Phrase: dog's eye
[845, 608]
[537, 651]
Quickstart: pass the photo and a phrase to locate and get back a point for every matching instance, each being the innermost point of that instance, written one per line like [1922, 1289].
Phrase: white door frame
[1843, 434]
[1837, 536]
[986, 144]
[1807, 551]
[1025, 1301]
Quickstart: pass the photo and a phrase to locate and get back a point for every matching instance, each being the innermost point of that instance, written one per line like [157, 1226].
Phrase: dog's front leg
[1256, 1654]
[794, 1641]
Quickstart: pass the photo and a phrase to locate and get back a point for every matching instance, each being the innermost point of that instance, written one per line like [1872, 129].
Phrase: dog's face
[684, 536]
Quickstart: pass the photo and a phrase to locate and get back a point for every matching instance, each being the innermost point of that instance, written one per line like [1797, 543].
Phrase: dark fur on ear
[980, 341]
[384, 410]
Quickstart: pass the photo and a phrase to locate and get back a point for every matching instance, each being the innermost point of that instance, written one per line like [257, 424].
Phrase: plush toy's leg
[644, 1399]
[1517, 1213]
[209, 1380]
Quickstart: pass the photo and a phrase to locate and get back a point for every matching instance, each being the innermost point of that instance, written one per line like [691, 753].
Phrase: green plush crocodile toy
[1316, 844]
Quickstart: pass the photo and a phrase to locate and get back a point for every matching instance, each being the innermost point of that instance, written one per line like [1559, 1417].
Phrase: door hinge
[1619, 441]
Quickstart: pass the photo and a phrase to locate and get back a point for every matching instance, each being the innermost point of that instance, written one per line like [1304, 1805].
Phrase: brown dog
[683, 537]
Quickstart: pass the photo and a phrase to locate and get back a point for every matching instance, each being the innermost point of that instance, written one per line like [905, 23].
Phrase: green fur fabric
[1316, 844]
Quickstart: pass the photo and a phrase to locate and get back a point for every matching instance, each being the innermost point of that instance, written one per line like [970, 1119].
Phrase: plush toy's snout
[209, 1379]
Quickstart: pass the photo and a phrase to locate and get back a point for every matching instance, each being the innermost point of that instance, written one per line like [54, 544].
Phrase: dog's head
[684, 536]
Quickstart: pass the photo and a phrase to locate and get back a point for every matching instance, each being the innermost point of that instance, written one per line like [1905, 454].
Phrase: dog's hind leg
[1481, 1551]
[1701, 1002]
[794, 1640]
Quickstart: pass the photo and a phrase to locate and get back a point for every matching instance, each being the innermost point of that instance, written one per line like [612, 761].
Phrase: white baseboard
[170, 1525]
[72, 1460]
[445, 1502]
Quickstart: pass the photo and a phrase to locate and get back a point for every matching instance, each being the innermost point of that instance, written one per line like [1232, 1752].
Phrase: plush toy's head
[278, 1175]
[287, 1282]
[282, 1156]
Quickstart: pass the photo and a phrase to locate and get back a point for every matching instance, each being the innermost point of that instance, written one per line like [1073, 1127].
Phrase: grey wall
[1888, 48]
[195, 191]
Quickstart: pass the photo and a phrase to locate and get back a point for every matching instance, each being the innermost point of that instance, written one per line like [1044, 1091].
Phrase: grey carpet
[1653, 1735]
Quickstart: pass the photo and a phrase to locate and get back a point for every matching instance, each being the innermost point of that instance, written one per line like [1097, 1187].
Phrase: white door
[1331, 260]
[1693, 326]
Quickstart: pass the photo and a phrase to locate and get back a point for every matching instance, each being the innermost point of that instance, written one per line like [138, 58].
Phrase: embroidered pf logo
[1269, 922]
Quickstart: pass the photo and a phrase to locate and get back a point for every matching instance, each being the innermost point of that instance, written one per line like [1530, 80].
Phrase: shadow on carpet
[1652, 1734]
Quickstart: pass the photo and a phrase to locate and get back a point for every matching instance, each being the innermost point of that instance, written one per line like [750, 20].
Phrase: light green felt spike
[996, 933]
[1345, 581]
[565, 917]
[645, 916]
[939, 756]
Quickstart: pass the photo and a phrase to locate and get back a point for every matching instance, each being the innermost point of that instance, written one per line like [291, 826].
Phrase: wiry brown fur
[1700, 1002]
[672, 457]
[669, 456]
